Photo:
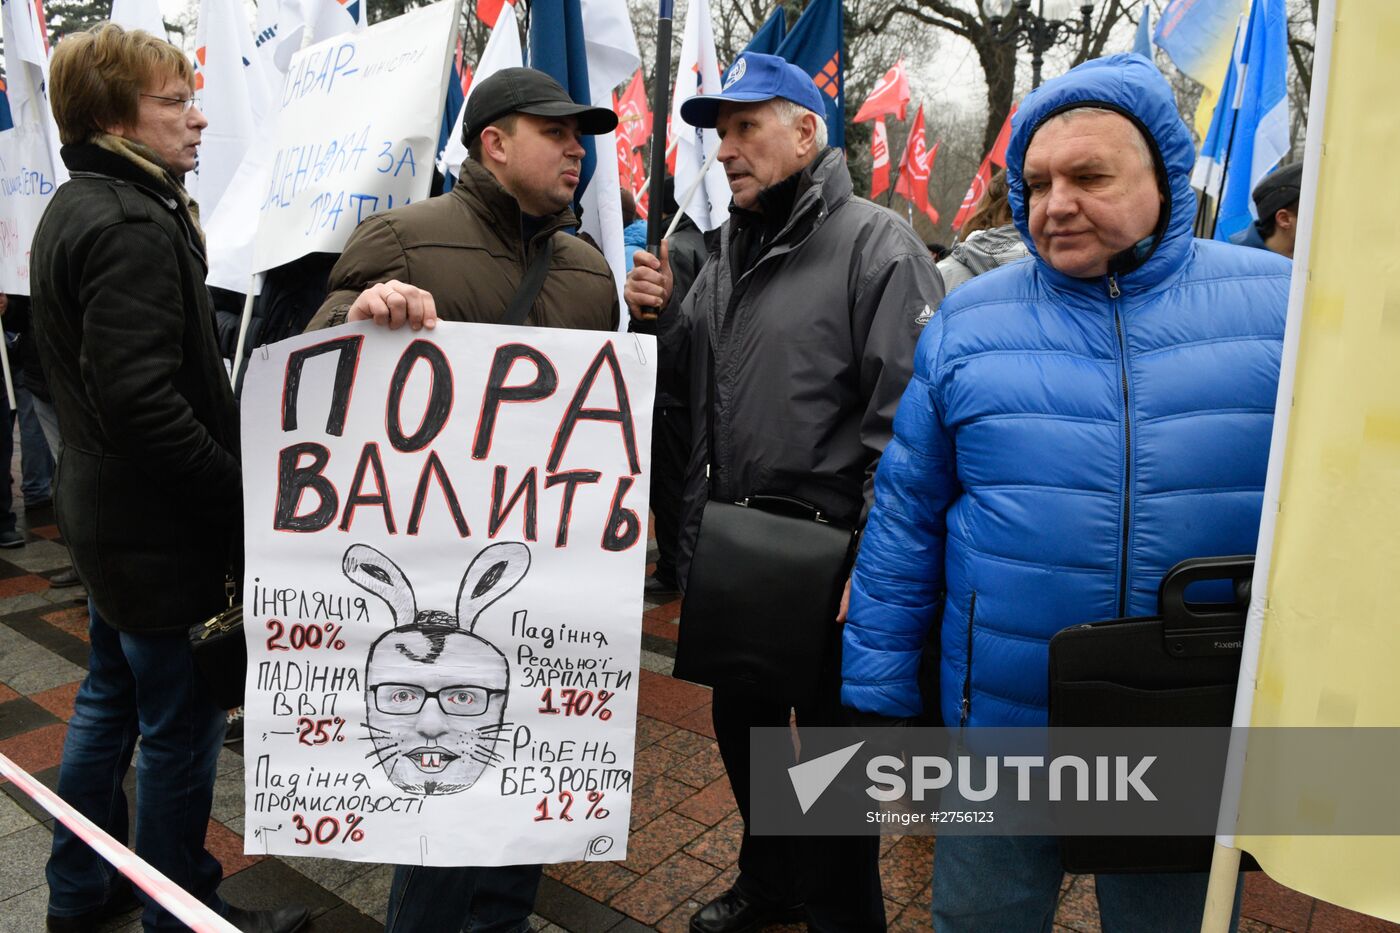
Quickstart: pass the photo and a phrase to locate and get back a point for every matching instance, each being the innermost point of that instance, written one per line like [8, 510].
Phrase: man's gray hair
[791, 113]
[1139, 141]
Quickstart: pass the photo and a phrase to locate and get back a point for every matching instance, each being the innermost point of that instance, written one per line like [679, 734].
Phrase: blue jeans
[35, 459]
[142, 685]
[1011, 884]
[462, 900]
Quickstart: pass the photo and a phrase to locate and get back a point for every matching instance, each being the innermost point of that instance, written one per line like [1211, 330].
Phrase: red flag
[633, 117]
[998, 153]
[915, 168]
[983, 178]
[488, 10]
[891, 95]
[880, 160]
[624, 157]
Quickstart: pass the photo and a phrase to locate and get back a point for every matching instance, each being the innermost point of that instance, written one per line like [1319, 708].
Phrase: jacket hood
[1134, 87]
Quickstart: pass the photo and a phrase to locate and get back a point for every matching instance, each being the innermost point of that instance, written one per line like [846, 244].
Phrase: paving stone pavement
[685, 827]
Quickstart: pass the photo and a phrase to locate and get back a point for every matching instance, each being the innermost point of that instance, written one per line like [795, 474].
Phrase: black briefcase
[761, 597]
[1179, 668]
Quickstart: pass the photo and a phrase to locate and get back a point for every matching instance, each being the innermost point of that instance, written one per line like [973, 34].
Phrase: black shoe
[121, 902]
[281, 920]
[657, 586]
[38, 504]
[64, 578]
[11, 539]
[731, 912]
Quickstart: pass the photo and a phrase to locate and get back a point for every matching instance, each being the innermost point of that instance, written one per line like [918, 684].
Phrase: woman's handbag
[762, 595]
[220, 653]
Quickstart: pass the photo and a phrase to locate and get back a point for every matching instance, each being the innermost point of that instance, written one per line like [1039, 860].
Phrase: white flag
[612, 58]
[278, 36]
[29, 156]
[233, 93]
[332, 17]
[139, 14]
[698, 73]
[502, 51]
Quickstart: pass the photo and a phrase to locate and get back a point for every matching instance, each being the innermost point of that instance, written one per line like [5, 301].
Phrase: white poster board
[445, 544]
[26, 187]
[355, 132]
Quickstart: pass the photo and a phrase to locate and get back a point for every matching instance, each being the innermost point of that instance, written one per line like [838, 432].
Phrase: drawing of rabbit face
[435, 693]
[435, 696]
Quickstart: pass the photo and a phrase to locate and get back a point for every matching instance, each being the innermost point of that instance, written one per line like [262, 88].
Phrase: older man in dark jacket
[809, 303]
[149, 492]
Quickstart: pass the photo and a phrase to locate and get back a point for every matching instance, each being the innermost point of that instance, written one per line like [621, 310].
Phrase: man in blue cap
[811, 301]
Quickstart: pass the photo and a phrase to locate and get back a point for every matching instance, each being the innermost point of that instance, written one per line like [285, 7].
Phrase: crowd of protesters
[1020, 426]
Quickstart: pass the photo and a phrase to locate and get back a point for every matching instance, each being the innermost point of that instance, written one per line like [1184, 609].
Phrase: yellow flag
[1329, 653]
[1198, 36]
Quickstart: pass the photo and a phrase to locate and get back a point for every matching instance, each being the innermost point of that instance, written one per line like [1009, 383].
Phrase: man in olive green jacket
[461, 257]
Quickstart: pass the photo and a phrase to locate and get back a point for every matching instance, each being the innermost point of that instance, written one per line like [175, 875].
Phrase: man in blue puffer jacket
[1075, 426]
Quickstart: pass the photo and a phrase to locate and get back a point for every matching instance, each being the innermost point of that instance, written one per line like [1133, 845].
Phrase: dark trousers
[837, 877]
[670, 456]
[146, 686]
[423, 899]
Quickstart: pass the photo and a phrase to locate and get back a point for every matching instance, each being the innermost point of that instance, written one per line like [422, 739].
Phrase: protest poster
[26, 187]
[354, 132]
[445, 538]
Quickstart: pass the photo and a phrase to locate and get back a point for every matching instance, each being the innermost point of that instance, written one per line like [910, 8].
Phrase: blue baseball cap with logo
[754, 77]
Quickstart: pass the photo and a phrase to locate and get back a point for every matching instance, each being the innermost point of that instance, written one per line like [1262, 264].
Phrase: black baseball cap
[525, 90]
[1278, 189]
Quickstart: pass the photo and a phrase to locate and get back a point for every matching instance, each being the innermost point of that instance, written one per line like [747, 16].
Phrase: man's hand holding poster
[445, 542]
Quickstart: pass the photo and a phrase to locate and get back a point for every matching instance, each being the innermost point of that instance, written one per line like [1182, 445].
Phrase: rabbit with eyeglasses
[435, 692]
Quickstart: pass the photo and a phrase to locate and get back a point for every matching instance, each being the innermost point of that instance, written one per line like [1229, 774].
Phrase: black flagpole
[660, 108]
[1224, 175]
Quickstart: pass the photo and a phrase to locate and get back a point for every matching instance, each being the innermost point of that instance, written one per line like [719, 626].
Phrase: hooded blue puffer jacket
[1065, 441]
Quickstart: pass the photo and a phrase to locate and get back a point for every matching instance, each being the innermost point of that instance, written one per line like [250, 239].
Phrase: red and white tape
[168, 894]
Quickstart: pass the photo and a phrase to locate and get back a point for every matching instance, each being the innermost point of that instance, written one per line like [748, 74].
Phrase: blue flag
[557, 48]
[454, 102]
[1259, 136]
[770, 35]
[1142, 44]
[814, 45]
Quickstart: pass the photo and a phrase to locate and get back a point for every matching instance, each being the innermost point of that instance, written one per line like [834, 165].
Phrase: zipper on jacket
[1114, 293]
[967, 678]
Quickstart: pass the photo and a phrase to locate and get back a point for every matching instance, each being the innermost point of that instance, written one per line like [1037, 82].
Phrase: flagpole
[1224, 868]
[684, 202]
[253, 289]
[1224, 172]
[660, 106]
[646, 182]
